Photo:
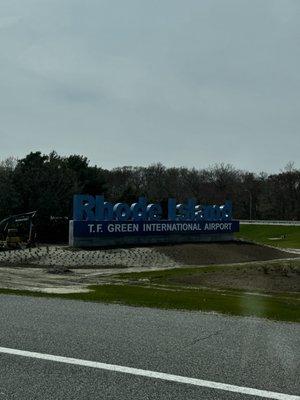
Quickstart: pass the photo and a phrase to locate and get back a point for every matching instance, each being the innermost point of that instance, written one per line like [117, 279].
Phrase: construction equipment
[17, 231]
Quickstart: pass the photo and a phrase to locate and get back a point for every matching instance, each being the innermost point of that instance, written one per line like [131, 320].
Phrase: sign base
[113, 234]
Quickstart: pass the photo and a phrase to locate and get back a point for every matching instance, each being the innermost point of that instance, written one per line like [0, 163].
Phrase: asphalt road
[238, 351]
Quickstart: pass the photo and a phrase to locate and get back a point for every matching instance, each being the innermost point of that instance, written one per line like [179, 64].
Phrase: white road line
[152, 374]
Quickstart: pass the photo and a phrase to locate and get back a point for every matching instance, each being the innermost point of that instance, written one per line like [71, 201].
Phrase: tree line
[47, 182]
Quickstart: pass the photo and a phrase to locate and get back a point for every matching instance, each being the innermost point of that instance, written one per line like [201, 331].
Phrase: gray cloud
[186, 83]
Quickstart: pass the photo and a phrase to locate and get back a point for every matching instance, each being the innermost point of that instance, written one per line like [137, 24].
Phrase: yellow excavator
[18, 231]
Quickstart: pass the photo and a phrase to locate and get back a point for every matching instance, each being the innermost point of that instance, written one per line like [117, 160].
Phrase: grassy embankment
[266, 289]
[275, 235]
[221, 289]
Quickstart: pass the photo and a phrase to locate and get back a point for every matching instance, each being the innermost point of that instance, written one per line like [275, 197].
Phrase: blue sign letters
[90, 208]
[97, 219]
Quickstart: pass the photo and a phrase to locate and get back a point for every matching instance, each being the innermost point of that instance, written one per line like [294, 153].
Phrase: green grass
[224, 302]
[161, 289]
[288, 236]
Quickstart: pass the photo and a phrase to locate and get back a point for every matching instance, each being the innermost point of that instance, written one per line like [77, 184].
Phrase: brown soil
[220, 253]
[279, 279]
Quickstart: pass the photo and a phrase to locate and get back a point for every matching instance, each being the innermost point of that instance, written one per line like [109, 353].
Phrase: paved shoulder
[243, 352]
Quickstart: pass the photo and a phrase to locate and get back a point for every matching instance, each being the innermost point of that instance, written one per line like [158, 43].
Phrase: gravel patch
[63, 256]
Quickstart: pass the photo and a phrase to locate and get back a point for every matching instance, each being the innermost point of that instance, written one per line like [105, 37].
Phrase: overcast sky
[132, 82]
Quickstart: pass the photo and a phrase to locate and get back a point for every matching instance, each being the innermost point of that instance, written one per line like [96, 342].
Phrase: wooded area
[47, 183]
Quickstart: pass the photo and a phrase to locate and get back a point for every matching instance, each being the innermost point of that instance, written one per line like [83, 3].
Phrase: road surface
[257, 358]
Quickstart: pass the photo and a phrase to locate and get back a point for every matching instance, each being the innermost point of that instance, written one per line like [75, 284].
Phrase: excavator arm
[17, 230]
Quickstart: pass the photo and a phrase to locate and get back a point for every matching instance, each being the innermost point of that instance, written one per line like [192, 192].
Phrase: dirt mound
[148, 257]
[220, 253]
[279, 277]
